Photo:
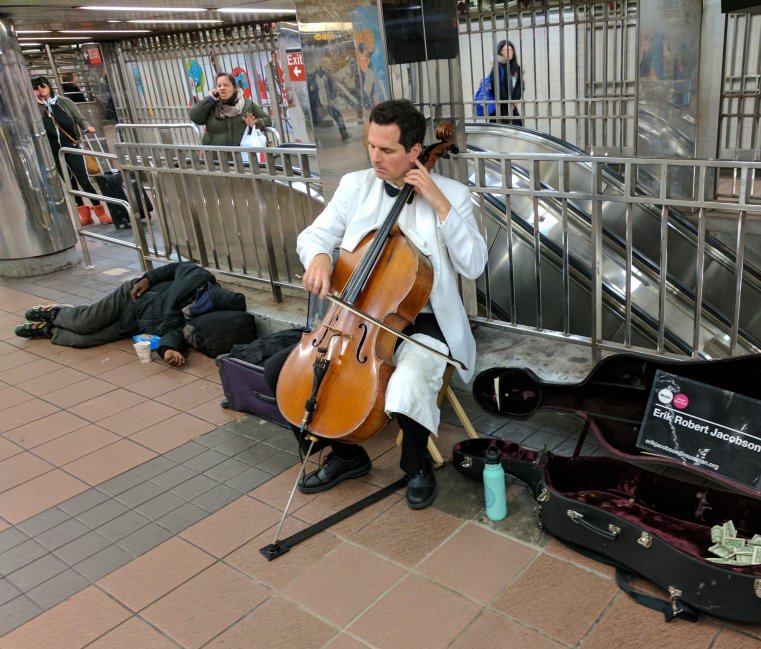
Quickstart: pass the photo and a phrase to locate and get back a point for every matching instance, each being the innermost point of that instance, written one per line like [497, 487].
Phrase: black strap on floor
[274, 550]
[670, 609]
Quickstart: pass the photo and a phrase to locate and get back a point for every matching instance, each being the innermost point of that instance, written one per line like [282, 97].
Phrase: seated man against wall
[159, 303]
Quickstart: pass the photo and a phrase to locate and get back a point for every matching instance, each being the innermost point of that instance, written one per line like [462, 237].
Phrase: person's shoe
[334, 470]
[84, 215]
[43, 312]
[100, 213]
[35, 330]
[344, 134]
[421, 489]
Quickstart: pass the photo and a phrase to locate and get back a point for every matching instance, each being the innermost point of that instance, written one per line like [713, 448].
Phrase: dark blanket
[261, 349]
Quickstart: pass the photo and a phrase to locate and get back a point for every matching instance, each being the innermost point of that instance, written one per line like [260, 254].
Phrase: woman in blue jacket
[507, 85]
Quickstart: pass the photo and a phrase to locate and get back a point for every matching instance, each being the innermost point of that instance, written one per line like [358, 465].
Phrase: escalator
[512, 287]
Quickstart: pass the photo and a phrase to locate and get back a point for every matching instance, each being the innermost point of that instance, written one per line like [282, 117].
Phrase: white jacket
[455, 246]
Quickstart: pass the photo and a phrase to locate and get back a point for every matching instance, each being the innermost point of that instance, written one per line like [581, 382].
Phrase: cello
[333, 382]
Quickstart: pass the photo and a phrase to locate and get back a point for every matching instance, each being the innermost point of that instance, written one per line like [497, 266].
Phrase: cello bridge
[338, 332]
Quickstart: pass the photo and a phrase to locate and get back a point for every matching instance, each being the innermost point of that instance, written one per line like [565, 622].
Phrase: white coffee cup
[143, 350]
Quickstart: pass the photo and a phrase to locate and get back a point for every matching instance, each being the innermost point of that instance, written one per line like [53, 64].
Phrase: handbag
[253, 137]
[93, 168]
[91, 162]
[484, 98]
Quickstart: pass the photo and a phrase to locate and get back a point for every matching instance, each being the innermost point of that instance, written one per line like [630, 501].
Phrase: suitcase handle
[612, 532]
[264, 397]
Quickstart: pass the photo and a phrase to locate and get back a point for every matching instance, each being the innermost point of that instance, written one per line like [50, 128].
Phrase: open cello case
[654, 523]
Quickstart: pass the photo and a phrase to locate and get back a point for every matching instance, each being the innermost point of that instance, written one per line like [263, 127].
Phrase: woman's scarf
[233, 107]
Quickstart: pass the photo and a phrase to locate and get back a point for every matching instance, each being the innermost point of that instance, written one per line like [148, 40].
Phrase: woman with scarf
[507, 85]
[63, 121]
[226, 113]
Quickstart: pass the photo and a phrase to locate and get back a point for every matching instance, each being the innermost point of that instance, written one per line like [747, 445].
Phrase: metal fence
[576, 252]
[579, 66]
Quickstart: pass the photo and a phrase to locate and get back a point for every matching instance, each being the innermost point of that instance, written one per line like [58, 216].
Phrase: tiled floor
[133, 508]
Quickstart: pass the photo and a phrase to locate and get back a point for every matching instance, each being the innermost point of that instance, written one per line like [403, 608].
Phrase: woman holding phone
[226, 113]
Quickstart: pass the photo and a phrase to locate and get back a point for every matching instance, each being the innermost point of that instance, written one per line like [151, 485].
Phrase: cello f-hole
[361, 357]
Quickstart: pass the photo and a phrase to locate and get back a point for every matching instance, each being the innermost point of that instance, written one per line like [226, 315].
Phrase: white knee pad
[415, 383]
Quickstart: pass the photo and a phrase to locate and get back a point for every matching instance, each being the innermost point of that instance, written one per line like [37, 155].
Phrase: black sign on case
[705, 427]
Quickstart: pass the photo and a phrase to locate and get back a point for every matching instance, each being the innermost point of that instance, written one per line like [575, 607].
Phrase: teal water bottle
[494, 484]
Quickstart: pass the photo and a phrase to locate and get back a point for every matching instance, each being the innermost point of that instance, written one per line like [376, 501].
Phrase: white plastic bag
[253, 137]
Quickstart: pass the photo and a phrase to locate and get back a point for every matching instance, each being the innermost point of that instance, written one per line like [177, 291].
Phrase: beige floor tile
[38, 494]
[415, 613]
[109, 461]
[133, 634]
[72, 446]
[232, 526]
[265, 627]
[729, 639]
[11, 396]
[213, 412]
[191, 395]
[98, 407]
[494, 631]
[200, 365]
[53, 381]
[8, 448]
[627, 624]
[132, 372]
[321, 505]
[282, 570]
[71, 624]
[325, 504]
[17, 358]
[29, 371]
[576, 598]
[106, 361]
[156, 573]
[385, 469]
[45, 429]
[390, 533]
[166, 380]
[134, 419]
[345, 641]
[25, 412]
[275, 492]
[562, 551]
[468, 562]
[356, 579]
[20, 468]
[170, 433]
[205, 606]
[70, 355]
[79, 392]
[751, 629]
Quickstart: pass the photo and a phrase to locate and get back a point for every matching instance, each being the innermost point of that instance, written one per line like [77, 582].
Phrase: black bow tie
[390, 189]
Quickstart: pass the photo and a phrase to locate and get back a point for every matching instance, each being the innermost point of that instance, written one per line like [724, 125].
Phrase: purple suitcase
[246, 390]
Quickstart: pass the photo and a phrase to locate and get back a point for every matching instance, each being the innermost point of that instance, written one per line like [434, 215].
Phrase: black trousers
[414, 455]
[78, 174]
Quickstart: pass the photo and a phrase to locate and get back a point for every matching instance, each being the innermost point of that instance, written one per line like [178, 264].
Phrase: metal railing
[561, 272]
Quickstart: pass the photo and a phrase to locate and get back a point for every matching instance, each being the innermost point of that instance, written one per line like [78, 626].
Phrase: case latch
[674, 595]
[757, 587]
[645, 539]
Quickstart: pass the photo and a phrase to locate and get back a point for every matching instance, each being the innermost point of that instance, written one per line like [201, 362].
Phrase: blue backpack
[485, 94]
[484, 97]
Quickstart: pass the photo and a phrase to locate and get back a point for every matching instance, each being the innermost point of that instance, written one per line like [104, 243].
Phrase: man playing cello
[440, 223]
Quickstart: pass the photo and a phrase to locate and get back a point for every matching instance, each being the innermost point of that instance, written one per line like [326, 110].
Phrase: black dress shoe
[334, 470]
[421, 489]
